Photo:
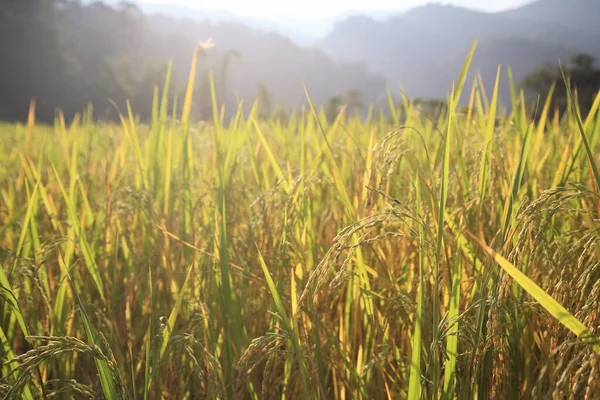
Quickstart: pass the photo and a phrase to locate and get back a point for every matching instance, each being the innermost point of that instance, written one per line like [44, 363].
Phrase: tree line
[66, 55]
[548, 80]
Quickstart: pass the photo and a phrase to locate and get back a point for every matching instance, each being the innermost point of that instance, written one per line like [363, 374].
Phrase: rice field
[382, 258]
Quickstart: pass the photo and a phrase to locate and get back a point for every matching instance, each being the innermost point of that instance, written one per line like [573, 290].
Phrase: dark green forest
[66, 56]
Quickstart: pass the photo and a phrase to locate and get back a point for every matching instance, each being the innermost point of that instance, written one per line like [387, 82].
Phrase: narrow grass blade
[454, 99]
[149, 333]
[174, 313]
[450, 377]
[544, 114]
[8, 295]
[189, 93]
[287, 324]
[516, 184]
[164, 103]
[26, 222]
[274, 293]
[488, 137]
[440, 240]
[131, 130]
[392, 106]
[559, 175]
[271, 156]
[90, 261]
[577, 114]
[107, 380]
[513, 96]
[233, 329]
[457, 91]
[414, 382]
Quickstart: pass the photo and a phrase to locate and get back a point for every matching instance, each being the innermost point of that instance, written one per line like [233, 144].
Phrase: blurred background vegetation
[69, 54]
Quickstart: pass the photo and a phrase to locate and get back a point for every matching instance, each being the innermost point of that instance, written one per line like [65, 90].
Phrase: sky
[319, 9]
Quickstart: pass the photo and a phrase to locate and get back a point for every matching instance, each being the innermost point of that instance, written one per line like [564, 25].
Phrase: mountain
[290, 29]
[246, 57]
[424, 49]
[582, 14]
[301, 31]
[297, 31]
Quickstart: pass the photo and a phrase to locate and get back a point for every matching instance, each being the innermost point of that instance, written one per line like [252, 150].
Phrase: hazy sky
[317, 9]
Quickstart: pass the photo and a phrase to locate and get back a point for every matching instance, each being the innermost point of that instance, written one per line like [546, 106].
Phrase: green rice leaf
[544, 299]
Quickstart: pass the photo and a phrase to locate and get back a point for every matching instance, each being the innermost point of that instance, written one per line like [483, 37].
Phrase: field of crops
[372, 259]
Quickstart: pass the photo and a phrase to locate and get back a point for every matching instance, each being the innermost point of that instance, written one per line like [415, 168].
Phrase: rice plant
[250, 259]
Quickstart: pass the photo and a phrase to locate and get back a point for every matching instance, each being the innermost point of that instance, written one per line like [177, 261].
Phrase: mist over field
[274, 200]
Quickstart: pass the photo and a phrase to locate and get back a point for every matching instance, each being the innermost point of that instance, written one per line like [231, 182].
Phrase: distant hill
[423, 49]
[579, 14]
[290, 30]
[261, 57]
[300, 32]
